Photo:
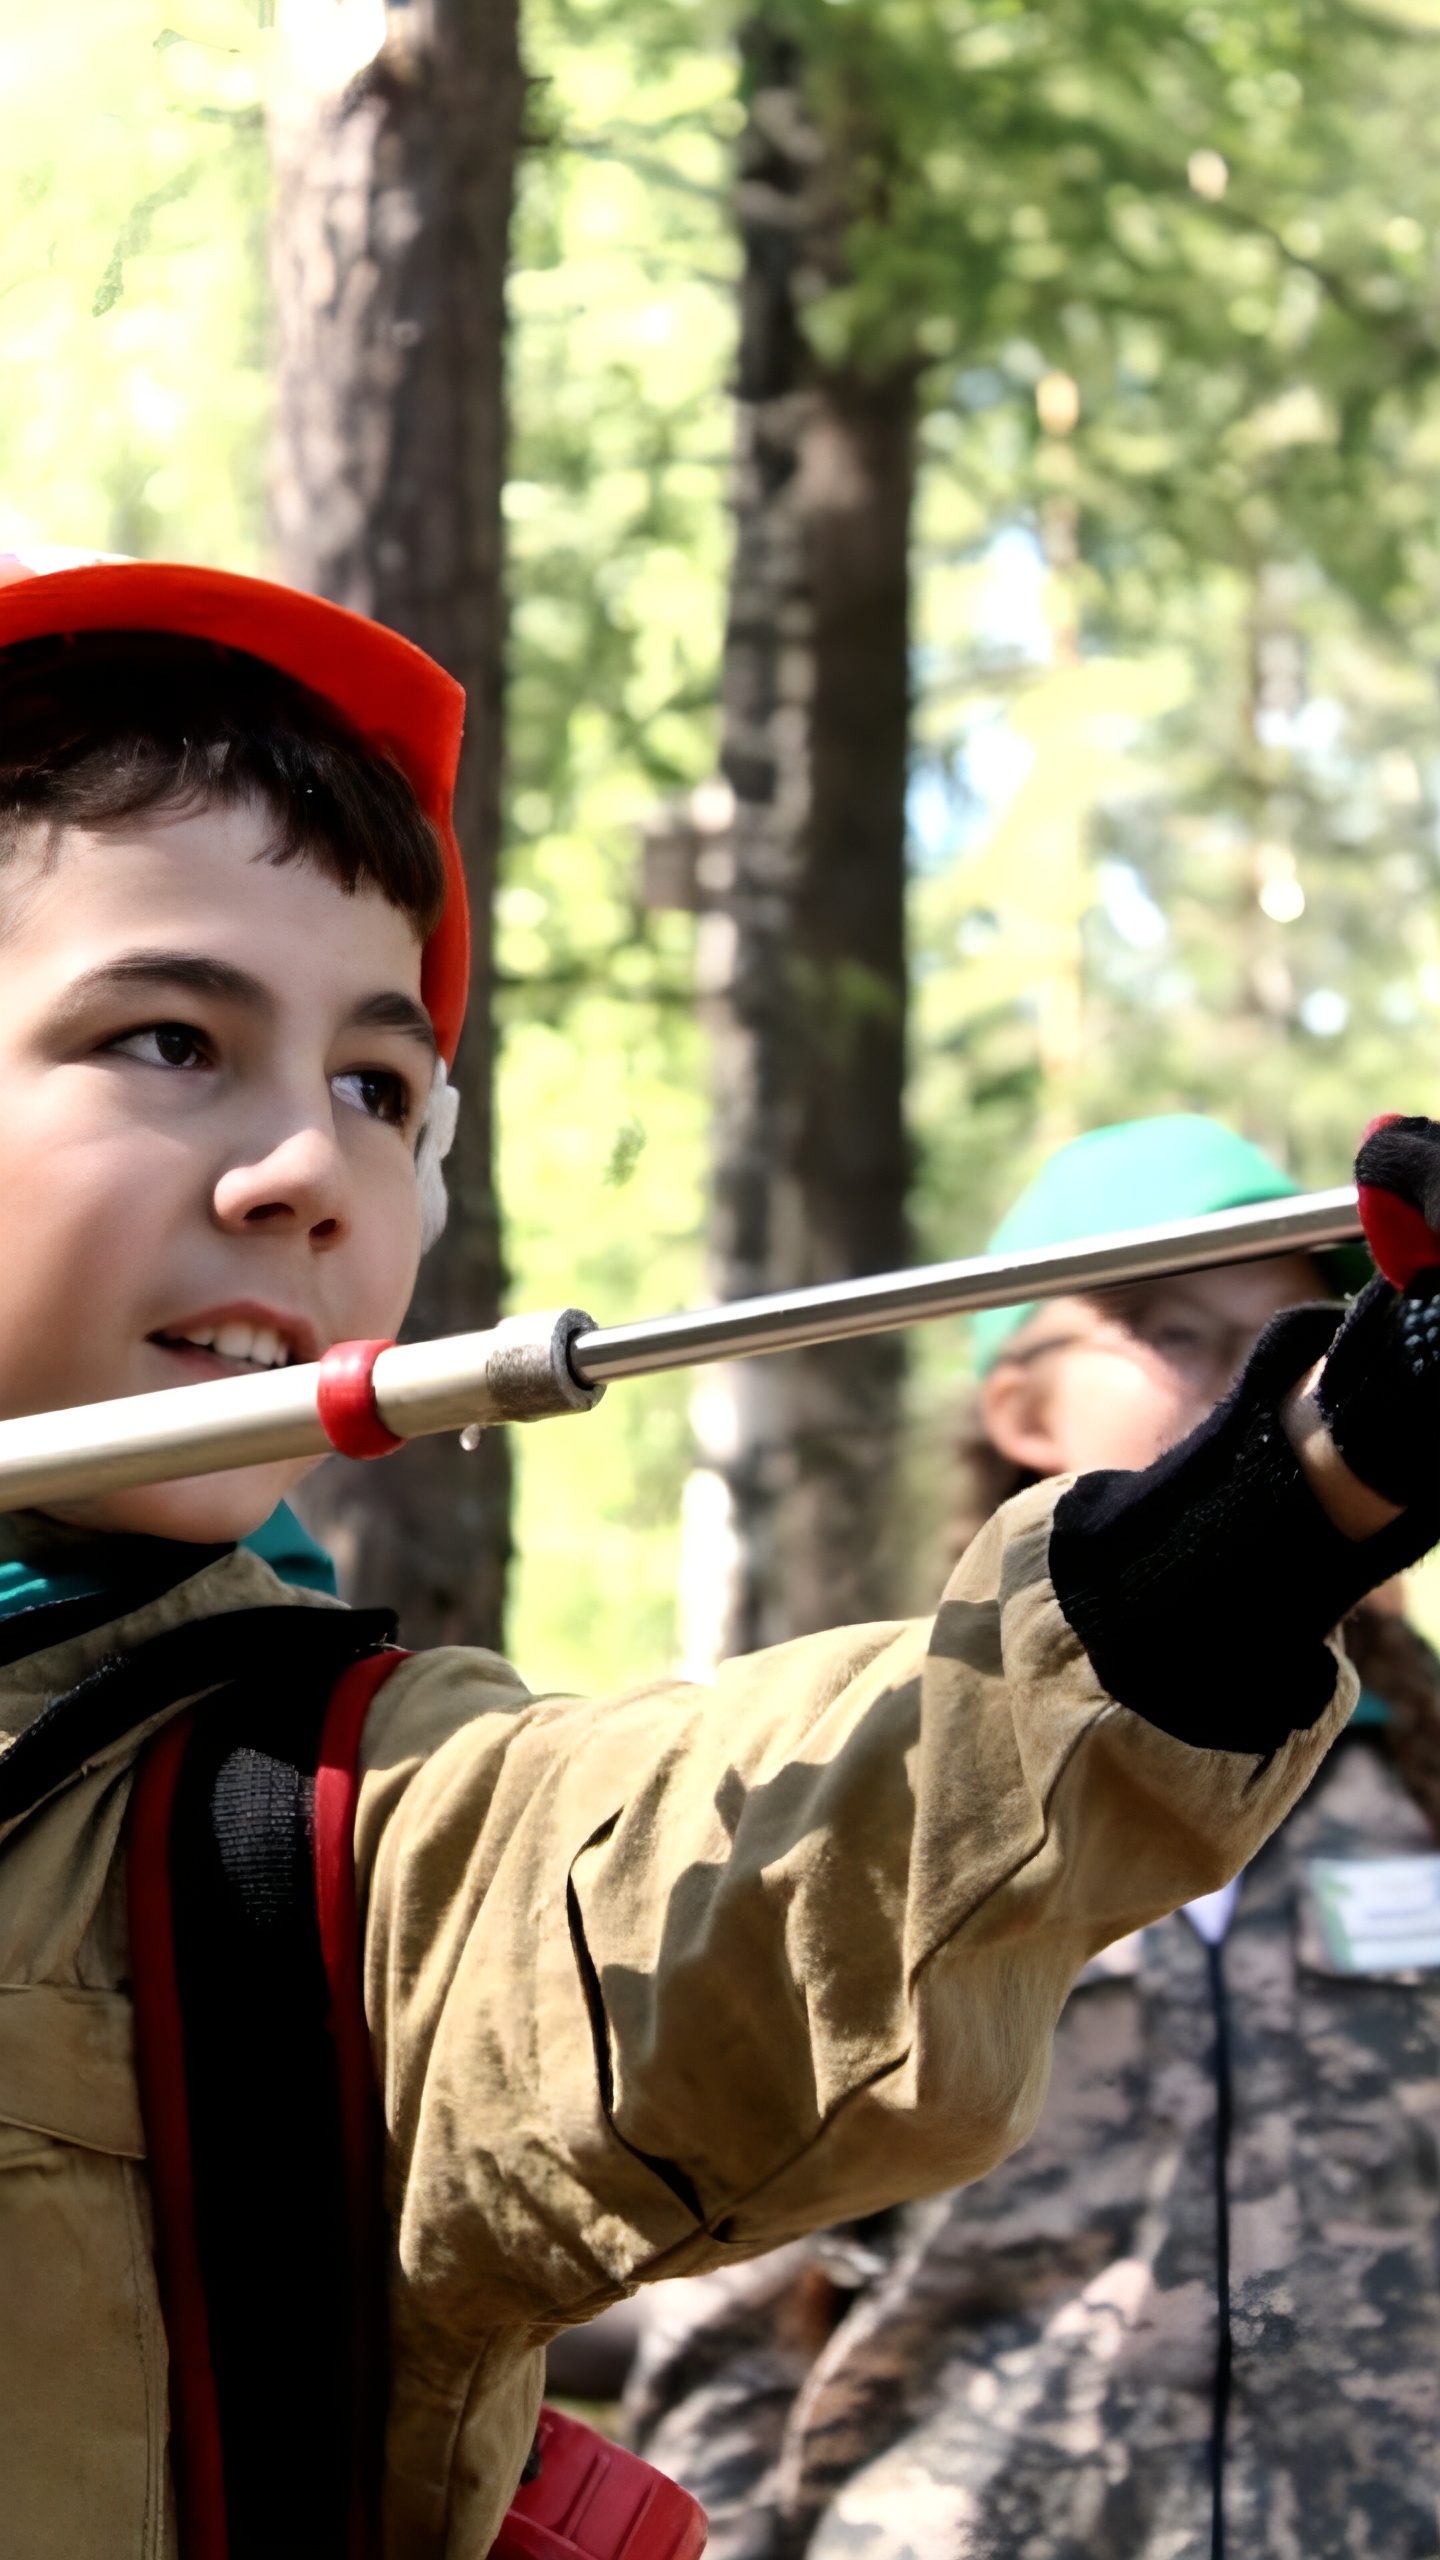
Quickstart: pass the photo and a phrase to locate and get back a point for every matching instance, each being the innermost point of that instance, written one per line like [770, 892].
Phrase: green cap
[1137, 1173]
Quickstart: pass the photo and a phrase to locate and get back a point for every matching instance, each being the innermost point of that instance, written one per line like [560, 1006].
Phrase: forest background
[1165, 283]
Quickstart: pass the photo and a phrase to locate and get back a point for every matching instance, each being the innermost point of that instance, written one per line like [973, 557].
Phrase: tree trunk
[802, 961]
[390, 238]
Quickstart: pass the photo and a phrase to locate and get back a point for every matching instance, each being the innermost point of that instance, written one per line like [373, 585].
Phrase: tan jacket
[1027, 2366]
[654, 1983]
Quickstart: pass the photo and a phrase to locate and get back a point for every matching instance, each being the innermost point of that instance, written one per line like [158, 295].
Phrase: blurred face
[1113, 1380]
[214, 1072]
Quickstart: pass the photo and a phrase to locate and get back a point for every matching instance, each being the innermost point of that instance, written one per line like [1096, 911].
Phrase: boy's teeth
[259, 1344]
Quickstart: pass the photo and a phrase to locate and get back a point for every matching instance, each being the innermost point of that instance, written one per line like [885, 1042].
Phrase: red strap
[160, 2060]
[594, 2500]
[337, 1791]
[349, 1416]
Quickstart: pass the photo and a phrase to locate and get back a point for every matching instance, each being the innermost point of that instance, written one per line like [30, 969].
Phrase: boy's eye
[165, 1044]
[375, 1091]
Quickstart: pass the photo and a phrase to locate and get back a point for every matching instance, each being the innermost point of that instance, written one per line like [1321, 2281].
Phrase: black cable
[1220, 2406]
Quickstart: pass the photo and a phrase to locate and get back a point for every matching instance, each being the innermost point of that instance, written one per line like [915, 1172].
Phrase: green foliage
[1212, 233]
[1084, 118]
[625, 1154]
[1298, 982]
[132, 278]
[621, 299]
[1216, 220]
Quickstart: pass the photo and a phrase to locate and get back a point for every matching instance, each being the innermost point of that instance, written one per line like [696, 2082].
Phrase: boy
[650, 1986]
[1035, 2363]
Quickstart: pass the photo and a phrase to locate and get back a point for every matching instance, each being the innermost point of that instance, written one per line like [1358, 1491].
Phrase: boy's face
[213, 1073]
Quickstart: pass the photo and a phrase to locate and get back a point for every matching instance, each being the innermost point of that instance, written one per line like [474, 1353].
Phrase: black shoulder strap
[266, 2137]
[249, 2119]
[126, 1689]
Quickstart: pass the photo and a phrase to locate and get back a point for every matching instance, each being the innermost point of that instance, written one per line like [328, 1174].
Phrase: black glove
[1203, 1587]
[1380, 1390]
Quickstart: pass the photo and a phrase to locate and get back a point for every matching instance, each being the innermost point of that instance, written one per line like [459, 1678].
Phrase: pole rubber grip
[1402, 1243]
[345, 1400]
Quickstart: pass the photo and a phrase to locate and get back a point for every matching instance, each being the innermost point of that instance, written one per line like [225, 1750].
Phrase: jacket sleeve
[669, 1978]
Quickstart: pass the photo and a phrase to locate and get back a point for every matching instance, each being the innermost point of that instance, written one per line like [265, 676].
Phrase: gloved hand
[1203, 1587]
[1380, 1388]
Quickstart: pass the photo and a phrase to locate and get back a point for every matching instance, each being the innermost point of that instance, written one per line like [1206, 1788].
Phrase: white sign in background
[1378, 1915]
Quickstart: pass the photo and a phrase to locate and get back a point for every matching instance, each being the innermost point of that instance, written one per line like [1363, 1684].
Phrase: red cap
[395, 698]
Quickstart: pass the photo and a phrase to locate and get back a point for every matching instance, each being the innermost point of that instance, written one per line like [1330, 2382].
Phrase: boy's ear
[1016, 1404]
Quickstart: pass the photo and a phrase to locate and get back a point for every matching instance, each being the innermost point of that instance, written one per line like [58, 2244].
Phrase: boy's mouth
[241, 1342]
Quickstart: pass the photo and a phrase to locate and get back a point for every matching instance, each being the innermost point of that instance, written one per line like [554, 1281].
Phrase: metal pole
[794, 1318]
[534, 1366]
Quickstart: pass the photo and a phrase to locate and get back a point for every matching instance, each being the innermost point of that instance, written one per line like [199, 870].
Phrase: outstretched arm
[659, 1981]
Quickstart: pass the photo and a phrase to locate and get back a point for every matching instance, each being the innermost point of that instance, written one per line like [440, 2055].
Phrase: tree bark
[802, 960]
[390, 238]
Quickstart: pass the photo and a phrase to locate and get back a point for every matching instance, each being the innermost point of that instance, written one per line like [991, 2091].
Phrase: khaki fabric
[654, 1983]
[1026, 2367]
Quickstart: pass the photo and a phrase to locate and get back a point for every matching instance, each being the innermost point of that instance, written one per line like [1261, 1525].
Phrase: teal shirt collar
[41, 1561]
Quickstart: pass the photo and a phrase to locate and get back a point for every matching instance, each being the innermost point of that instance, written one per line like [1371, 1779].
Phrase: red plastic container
[594, 2501]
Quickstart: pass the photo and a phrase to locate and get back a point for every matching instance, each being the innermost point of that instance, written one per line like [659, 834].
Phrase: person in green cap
[1204, 2299]
[1113, 1378]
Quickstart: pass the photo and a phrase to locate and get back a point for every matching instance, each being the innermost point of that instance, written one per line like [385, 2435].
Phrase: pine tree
[390, 237]
[803, 952]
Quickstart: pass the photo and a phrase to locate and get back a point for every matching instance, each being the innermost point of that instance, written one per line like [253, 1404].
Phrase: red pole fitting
[349, 1415]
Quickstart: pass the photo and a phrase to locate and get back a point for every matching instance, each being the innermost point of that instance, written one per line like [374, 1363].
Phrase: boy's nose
[299, 1184]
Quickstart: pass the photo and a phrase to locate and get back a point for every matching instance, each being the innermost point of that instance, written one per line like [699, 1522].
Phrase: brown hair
[107, 725]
